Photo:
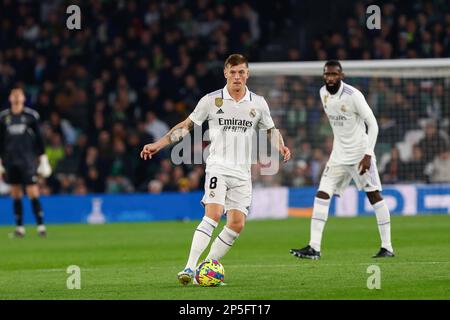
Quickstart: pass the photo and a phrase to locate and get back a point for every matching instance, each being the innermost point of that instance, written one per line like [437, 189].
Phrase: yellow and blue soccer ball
[210, 273]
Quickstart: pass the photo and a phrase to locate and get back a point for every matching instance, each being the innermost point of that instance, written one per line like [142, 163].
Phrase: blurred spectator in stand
[55, 151]
[155, 186]
[155, 126]
[438, 170]
[300, 176]
[393, 172]
[80, 187]
[415, 168]
[184, 185]
[433, 142]
[317, 164]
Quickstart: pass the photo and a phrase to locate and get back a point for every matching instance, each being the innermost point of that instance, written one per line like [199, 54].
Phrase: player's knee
[213, 215]
[16, 192]
[374, 197]
[214, 211]
[236, 226]
[322, 195]
[235, 221]
[33, 192]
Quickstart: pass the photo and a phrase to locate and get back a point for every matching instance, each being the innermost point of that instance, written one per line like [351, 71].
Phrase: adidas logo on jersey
[219, 111]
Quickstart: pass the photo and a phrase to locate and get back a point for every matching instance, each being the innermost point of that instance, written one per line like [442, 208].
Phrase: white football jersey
[232, 125]
[346, 111]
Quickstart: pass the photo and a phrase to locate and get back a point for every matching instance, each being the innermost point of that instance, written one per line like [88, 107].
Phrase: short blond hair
[235, 59]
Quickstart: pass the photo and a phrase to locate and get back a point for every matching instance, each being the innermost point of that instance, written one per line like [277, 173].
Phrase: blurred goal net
[410, 99]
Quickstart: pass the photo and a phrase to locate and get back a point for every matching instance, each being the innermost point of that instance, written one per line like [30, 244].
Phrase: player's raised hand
[364, 164]
[286, 153]
[149, 150]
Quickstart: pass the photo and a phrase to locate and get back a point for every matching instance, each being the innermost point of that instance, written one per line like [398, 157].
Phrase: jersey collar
[226, 94]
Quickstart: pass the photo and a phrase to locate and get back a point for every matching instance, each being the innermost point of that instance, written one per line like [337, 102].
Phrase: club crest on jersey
[325, 99]
[253, 113]
[218, 102]
[343, 108]
[8, 120]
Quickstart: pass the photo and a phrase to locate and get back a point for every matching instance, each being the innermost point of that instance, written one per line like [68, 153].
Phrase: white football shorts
[335, 178]
[231, 192]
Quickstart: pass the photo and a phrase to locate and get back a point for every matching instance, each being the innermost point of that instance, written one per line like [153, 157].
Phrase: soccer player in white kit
[233, 114]
[352, 157]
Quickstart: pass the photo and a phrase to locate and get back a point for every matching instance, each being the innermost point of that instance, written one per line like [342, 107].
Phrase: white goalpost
[408, 68]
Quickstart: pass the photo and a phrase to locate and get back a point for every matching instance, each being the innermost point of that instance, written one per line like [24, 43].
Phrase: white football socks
[318, 220]
[222, 243]
[200, 241]
[384, 224]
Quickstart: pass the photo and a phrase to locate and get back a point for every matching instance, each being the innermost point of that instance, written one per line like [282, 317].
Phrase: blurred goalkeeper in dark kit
[22, 158]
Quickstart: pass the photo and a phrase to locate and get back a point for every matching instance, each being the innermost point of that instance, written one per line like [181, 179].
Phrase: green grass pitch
[141, 260]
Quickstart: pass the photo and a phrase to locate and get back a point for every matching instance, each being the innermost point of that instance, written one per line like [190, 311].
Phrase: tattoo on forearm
[177, 133]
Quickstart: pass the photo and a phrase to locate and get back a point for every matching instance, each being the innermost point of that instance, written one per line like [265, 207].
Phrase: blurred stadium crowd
[136, 68]
[409, 29]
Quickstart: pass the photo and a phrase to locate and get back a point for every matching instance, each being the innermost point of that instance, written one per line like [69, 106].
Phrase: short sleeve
[361, 106]
[265, 122]
[200, 113]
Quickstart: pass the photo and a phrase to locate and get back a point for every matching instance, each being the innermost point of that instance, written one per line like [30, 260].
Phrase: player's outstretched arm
[276, 138]
[174, 135]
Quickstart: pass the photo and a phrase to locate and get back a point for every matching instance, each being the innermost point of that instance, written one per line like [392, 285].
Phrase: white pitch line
[48, 270]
